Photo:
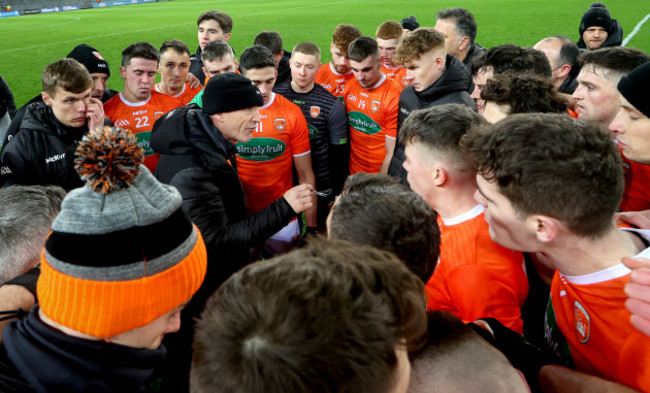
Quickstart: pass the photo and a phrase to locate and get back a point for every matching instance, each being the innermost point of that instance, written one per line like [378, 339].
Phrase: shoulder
[10, 379]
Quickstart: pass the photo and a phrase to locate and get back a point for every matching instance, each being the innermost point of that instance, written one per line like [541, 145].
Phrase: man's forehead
[591, 71]
[304, 58]
[142, 64]
[171, 52]
[61, 92]
[387, 43]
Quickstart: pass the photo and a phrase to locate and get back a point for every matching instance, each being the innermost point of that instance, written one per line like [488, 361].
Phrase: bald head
[562, 54]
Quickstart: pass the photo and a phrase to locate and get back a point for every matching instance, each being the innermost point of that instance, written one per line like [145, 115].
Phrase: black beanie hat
[230, 92]
[596, 15]
[635, 86]
[90, 58]
[410, 23]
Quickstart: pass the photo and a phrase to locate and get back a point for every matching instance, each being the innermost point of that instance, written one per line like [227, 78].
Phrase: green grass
[32, 42]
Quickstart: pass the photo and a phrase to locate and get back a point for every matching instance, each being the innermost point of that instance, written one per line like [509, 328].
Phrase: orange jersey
[588, 326]
[184, 96]
[372, 115]
[332, 80]
[636, 195]
[397, 74]
[265, 162]
[475, 277]
[139, 118]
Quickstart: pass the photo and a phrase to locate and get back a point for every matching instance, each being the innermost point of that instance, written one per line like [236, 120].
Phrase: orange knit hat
[122, 252]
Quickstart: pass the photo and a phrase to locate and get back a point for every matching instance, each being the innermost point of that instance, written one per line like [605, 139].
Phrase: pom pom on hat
[109, 159]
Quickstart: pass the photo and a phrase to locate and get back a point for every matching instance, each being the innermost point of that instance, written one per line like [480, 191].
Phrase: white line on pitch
[636, 30]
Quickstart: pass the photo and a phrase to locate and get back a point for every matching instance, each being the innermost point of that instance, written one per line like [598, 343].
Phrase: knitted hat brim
[106, 308]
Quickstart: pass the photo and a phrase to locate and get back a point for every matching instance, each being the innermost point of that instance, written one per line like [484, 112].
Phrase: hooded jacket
[615, 38]
[450, 88]
[37, 357]
[42, 152]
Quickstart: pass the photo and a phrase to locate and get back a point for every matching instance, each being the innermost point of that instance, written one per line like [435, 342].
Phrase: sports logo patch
[374, 106]
[157, 115]
[97, 55]
[314, 111]
[583, 322]
[280, 124]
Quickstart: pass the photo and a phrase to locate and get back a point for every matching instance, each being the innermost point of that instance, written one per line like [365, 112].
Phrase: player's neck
[168, 90]
[576, 256]
[126, 94]
[453, 201]
[461, 55]
[303, 90]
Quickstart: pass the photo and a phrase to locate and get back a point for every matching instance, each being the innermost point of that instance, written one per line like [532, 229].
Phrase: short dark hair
[224, 20]
[616, 61]
[378, 211]
[177, 45]
[68, 74]
[553, 165]
[569, 51]
[457, 359]
[324, 318]
[26, 214]
[509, 57]
[463, 19]
[363, 47]
[523, 94]
[216, 50]
[256, 56]
[440, 129]
[270, 39]
[142, 50]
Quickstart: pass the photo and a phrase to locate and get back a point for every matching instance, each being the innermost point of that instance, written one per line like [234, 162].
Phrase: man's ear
[46, 98]
[563, 71]
[464, 44]
[123, 72]
[439, 175]
[545, 228]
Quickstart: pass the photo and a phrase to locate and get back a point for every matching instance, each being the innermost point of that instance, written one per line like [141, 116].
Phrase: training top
[397, 74]
[139, 118]
[332, 80]
[475, 277]
[588, 326]
[327, 123]
[372, 116]
[265, 162]
[185, 96]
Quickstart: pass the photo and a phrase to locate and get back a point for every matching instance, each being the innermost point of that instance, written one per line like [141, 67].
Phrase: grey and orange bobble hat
[121, 252]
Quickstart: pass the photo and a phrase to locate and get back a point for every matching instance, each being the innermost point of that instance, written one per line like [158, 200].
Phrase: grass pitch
[32, 42]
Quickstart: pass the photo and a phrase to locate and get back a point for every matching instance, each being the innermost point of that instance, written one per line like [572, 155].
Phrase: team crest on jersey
[280, 124]
[374, 106]
[157, 115]
[314, 111]
[583, 322]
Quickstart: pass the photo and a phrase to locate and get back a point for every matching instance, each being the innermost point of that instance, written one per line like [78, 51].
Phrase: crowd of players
[483, 215]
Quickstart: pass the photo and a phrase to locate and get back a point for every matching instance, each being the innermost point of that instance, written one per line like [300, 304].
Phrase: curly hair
[552, 165]
[523, 94]
[417, 43]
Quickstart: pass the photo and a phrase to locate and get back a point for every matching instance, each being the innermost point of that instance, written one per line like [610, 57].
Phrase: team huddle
[420, 214]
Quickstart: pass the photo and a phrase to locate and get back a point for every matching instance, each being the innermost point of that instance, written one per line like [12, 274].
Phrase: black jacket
[42, 152]
[17, 117]
[36, 357]
[196, 65]
[451, 88]
[615, 38]
[195, 159]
